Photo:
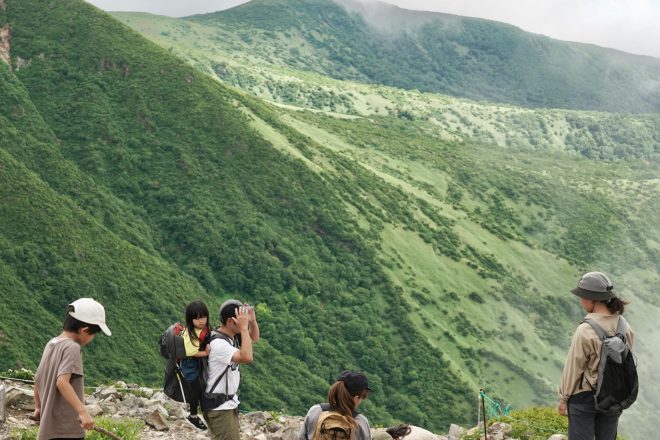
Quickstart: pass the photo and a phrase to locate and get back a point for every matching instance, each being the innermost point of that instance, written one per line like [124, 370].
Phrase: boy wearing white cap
[59, 398]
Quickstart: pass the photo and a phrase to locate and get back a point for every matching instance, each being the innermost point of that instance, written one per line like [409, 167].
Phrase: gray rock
[258, 418]
[105, 393]
[94, 410]
[20, 398]
[455, 432]
[274, 427]
[109, 408]
[157, 421]
[178, 412]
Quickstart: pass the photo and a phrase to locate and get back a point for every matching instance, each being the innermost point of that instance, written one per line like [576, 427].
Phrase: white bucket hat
[90, 312]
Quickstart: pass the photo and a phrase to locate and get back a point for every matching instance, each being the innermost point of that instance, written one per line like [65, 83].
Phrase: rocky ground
[165, 419]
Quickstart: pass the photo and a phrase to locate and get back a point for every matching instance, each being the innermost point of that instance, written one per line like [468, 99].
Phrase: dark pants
[195, 396]
[587, 423]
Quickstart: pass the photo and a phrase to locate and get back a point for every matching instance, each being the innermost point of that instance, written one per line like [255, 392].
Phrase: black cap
[354, 381]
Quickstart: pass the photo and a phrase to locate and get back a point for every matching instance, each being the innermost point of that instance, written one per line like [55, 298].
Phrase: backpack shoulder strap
[215, 334]
[597, 328]
[622, 327]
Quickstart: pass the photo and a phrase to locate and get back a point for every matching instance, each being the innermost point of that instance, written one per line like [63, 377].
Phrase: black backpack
[617, 384]
[172, 348]
[171, 342]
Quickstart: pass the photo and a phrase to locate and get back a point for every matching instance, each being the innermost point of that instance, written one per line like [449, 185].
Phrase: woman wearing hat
[578, 381]
[344, 396]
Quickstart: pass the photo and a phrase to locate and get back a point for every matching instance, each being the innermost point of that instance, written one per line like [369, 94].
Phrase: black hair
[616, 305]
[195, 310]
[228, 311]
[398, 431]
[72, 324]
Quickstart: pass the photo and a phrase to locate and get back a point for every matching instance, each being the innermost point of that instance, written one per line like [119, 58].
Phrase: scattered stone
[20, 397]
[258, 418]
[455, 432]
[94, 410]
[165, 419]
[157, 421]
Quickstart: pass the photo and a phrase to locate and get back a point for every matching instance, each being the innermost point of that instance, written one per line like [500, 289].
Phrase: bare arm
[69, 394]
[203, 353]
[37, 403]
[244, 354]
[254, 326]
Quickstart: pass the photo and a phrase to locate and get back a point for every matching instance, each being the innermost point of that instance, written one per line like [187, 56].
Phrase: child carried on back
[195, 338]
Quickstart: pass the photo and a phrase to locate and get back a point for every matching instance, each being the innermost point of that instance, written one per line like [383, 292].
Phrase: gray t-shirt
[309, 425]
[58, 418]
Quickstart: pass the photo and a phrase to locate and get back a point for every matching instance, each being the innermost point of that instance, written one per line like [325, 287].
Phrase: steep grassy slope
[129, 177]
[479, 59]
[415, 250]
[481, 240]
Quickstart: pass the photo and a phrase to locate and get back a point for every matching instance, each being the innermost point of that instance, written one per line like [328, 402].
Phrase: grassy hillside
[572, 190]
[149, 189]
[374, 42]
[390, 240]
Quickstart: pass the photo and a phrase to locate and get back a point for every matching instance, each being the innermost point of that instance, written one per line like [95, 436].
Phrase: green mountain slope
[399, 138]
[479, 59]
[211, 210]
[420, 252]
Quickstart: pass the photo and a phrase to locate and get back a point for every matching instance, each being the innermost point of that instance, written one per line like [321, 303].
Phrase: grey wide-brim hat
[595, 286]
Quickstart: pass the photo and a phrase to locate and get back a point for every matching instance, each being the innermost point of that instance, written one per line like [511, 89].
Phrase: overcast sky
[628, 25]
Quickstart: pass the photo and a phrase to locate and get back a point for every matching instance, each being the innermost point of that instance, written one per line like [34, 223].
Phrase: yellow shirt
[581, 367]
[192, 347]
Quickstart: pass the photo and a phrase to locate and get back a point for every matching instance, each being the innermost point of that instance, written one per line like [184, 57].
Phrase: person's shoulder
[315, 409]
[63, 344]
[361, 418]
[218, 340]
[584, 332]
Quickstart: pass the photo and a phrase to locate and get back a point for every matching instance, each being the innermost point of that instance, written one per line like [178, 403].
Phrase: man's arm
[69, 394]
[244, 354]
[254, 326]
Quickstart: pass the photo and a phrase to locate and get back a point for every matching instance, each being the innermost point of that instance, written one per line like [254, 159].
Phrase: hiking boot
[197, 422]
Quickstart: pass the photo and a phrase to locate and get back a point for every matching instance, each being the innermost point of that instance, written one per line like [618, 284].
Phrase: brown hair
[616, 305]
[342, 401]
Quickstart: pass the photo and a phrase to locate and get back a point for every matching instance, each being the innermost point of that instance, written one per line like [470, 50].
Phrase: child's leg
[195, 397]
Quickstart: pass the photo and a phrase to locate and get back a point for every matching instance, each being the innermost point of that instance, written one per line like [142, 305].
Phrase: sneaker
[197, 422]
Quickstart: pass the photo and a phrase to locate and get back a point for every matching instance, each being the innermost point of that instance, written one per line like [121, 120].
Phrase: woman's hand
[562, 408]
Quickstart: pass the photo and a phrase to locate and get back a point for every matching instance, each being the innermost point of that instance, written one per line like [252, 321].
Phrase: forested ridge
[376, 42]
[437, 260]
